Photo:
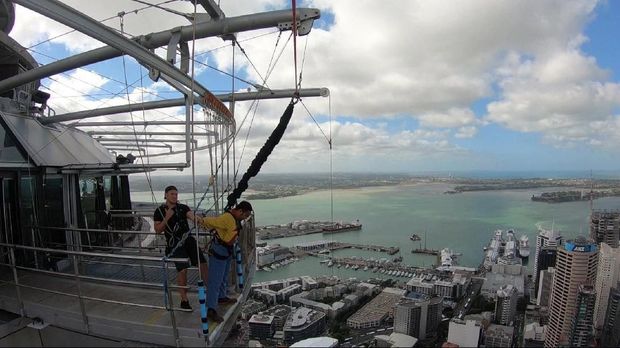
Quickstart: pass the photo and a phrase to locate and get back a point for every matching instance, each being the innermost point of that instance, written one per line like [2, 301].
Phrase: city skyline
[415, 86]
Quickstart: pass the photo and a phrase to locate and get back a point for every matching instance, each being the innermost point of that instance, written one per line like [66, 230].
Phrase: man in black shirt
[171, 219]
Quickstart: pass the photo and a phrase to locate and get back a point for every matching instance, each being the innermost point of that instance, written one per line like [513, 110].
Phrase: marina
[382, 265]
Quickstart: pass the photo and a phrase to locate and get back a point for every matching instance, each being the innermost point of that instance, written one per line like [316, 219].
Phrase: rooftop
[261, 319]
[378, 308]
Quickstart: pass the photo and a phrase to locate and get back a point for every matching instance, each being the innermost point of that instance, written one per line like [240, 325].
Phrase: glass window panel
[9, 152]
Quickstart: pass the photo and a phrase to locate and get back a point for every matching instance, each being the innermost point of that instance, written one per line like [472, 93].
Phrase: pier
[425, 251]
[320, 247]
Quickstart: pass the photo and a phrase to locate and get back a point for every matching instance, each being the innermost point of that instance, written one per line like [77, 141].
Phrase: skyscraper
[607, 275]
[506, 305]
[544, 290]
[545, 238]
[582, 328]
[576, 264]
[418, 318]
[545, 259]
[605, 227]
[611, 328]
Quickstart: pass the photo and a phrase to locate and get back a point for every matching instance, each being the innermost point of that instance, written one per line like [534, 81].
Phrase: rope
[191, 115]
[164, 9]
[329, 140]
[133, 126]
[100, 21]
[262, 155]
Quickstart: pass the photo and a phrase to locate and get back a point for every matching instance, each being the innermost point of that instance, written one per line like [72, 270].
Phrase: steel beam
[139, 149]
[159, 104]
[212, 9]
[148, 133]
[130, 144]
[153, 40]
[72, 18]
[141, 123]
[128, 166]
[149, 140]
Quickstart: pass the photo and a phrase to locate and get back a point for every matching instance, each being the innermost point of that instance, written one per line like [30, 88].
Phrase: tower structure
[576, 265]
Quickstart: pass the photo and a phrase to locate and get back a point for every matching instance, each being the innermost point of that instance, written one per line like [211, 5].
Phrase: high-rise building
[464, 333]
[582, 328]
[545, 259]
[261, 326]
[545, 238]
[576, 264]
[607, 275]
[544, 290]
[506, 305]
[605, 227]
[611, 329]
[303, 323]
[418, 318]
[498, 336]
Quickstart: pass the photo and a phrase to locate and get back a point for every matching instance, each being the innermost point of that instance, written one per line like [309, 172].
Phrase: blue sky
[415, 86]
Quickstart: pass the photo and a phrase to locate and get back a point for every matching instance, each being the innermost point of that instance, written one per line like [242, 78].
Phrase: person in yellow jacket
[226, 227]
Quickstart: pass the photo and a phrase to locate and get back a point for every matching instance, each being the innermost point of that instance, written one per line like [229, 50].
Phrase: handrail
[246, 241]
[77, 229]
[85, 253]
[88, 297]
[98, 279]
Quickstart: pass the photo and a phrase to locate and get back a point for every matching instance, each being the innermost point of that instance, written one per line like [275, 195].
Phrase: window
[9, 152]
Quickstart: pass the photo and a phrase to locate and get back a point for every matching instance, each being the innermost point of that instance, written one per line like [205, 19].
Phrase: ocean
[390, 214]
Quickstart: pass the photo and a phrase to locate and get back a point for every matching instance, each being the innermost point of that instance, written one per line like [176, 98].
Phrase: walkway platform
[111, 320]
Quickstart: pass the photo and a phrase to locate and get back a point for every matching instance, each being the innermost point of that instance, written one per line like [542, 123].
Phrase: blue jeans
[217, 283]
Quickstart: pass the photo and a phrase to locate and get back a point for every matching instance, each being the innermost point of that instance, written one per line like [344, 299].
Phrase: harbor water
[462, 222]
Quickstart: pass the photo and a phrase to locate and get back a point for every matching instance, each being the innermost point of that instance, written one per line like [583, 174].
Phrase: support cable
[133, 126]
[100, 21]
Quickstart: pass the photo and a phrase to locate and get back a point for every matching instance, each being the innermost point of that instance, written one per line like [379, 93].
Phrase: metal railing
[78, 259]
[75, 258]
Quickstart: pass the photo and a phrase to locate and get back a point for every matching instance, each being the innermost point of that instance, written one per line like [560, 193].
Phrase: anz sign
[579, 248]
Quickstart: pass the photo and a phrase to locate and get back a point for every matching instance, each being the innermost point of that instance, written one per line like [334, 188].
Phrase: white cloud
[466, 132]
[428, 60]
[451, 119]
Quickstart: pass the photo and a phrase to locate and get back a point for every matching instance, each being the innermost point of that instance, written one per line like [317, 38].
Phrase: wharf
[390, 250]
[425, 251]
[304, 227]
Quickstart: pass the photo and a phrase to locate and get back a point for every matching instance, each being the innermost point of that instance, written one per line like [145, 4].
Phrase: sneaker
[185, 305]
[226, 300]
[212, 315]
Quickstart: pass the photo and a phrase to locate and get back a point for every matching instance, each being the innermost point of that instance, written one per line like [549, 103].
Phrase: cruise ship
[505, 249]
[80, 262]
[271, 254]
[524, 246]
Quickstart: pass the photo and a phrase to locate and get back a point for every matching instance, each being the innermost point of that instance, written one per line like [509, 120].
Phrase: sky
[414, 85]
